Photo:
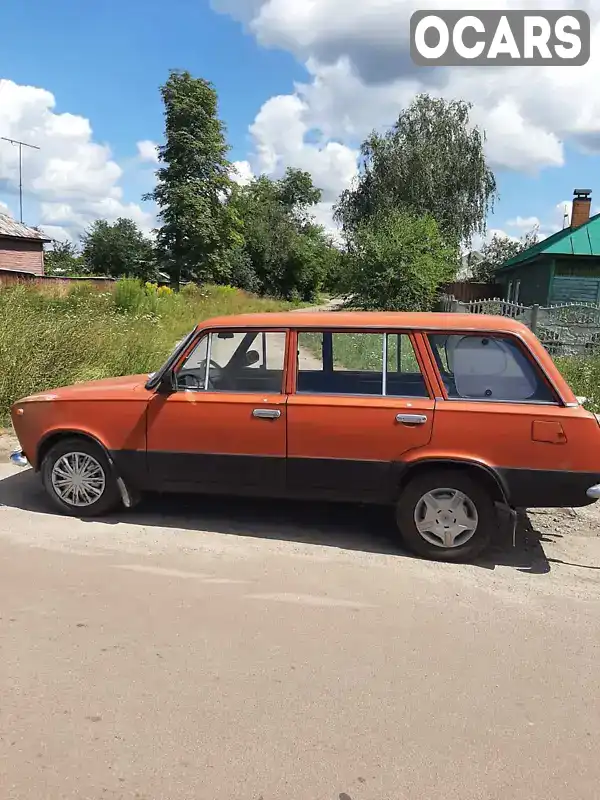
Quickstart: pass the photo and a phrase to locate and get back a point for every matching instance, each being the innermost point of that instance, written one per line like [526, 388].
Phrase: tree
[297, 194]
[286, 253]
[431, 162]
[499, 250]
[117, 250]
[397, 262]
[197, 226]
[63, 259]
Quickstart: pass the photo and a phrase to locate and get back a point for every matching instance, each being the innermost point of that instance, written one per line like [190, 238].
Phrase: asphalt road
[205, 649]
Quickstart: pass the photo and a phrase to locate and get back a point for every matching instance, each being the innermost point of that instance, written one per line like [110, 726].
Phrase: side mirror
[168, 383]
[252, 357]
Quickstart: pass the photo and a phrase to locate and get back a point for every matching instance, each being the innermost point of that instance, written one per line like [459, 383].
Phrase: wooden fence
[465, 291]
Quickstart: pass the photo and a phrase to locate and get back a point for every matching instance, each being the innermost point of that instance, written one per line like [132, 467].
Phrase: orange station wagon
[446, 417]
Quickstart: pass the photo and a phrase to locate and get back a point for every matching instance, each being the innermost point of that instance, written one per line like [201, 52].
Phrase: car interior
[488, 368]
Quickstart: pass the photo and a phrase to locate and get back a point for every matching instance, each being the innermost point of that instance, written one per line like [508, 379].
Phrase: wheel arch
[53, 437]
[480, 472]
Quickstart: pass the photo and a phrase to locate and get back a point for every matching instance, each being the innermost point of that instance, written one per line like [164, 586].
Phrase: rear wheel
[78, 478]
[446, 515]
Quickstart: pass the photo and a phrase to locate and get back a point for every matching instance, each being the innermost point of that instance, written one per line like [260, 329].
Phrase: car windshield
[154, 378]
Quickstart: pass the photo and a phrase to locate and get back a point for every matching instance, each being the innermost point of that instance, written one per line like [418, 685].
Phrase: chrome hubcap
[78, 479]
[446, 518]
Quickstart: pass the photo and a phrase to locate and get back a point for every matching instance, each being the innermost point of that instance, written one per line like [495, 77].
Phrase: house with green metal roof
[564, 268]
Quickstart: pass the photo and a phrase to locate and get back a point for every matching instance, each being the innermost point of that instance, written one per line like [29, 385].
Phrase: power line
[21, 146]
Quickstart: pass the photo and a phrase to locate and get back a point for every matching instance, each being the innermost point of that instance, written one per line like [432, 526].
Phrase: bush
[583, 375]
[129, 294]
[397, 261]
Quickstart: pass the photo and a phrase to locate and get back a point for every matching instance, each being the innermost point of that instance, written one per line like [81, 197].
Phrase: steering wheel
[191, 380]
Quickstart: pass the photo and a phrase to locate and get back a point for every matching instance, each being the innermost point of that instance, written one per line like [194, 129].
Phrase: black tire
[108, 501]
[479, 498]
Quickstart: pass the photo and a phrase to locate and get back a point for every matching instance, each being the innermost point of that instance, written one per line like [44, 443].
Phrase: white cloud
[361, 76]
[241, 173]
[479, 241]
[4, 209]
[73, 178]
[56, 233]
[525, 224]
[280, 133]
[147, 151]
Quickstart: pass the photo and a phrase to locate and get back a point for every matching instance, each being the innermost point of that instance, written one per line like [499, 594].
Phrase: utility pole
[21, 145]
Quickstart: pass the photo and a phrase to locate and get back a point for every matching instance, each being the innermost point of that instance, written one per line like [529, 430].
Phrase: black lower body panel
[534, 488]
[335, 479]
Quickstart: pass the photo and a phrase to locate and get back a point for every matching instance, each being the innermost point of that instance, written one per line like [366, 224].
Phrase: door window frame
[416, 339]
[530, 357]
[234, 329]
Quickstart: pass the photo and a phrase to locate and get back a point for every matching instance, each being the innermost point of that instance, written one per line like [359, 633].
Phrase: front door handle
[266, 413]
[411, 419]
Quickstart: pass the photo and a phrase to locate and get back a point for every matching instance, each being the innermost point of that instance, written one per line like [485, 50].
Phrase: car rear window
[488, 367]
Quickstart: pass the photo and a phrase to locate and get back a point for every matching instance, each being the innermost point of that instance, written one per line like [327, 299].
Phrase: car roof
[368, 319]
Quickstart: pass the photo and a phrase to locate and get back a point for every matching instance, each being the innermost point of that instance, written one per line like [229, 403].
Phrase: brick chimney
[582, 204]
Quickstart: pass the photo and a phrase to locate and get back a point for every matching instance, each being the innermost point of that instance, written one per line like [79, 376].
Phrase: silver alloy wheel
[78, 479]
[446, 518]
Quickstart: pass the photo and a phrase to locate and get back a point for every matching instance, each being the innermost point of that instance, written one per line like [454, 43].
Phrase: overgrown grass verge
[47, 341]
[583, 375]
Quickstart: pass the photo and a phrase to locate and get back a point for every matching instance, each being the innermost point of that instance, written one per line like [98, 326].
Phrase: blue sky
[276, 67]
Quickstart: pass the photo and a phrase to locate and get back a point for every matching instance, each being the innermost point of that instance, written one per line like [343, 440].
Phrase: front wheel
[78, 478]
[445, 515]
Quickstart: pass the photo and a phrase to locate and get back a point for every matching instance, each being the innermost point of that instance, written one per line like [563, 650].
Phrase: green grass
[49, 340]
[583, 375]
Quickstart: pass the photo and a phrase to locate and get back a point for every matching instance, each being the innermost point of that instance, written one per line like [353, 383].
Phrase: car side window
[235, 361]
[488, 367]
[361, 363]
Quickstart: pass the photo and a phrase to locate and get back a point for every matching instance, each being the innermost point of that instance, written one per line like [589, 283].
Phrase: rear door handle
[266, 413]
[411, 419]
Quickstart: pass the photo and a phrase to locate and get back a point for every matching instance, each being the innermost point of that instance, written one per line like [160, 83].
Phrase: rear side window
[361, 363]
[487, 367]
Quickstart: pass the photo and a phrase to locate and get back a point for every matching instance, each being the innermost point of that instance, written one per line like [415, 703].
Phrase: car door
[361, 402]
[223, 426]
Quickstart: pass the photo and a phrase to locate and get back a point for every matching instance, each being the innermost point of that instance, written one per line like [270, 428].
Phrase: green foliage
[583, 375]
[397, 262]
[117, 250]
[197, 226]
[430, 162]
[284, 252]
[50, 339]
[63, 259]
[499, 250]
[129, 295]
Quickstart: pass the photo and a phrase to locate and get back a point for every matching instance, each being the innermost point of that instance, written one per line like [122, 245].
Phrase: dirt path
[221, 649]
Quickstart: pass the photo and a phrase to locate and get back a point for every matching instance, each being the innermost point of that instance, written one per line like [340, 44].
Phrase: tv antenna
[21, 145]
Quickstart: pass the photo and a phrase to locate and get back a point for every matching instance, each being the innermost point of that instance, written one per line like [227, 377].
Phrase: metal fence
[568, 329]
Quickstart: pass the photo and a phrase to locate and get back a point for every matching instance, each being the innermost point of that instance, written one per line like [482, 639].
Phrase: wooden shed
[564, 268]
[21, 247]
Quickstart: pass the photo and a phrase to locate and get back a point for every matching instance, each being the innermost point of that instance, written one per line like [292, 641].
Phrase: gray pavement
[212, 648]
